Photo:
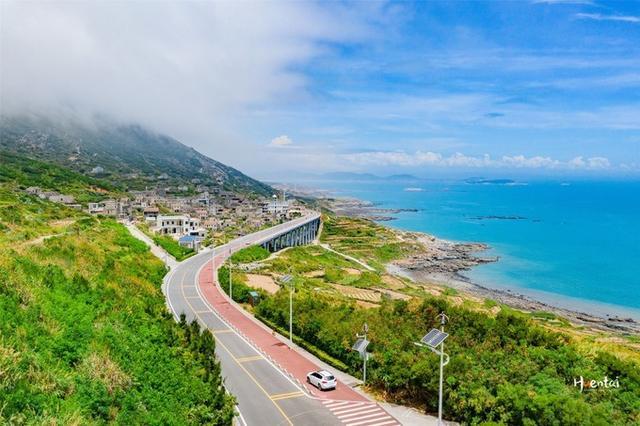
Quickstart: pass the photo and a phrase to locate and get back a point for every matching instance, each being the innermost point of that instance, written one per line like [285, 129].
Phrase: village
[188, 219]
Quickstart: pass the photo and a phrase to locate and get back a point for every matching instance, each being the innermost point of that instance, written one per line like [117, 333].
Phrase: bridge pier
[302, 235]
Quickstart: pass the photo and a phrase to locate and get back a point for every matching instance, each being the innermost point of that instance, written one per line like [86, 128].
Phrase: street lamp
[213, 259]
[275, 198]
[361, 346]
[431, 341]
[288, 279]
[230, 285]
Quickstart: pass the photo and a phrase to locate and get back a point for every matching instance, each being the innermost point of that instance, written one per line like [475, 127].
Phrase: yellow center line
[249, 358]
[222, 330]
[287, 395]
[229, 352]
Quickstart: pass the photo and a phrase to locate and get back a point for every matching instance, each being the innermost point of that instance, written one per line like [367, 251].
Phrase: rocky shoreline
[442, 262]
[357, 208]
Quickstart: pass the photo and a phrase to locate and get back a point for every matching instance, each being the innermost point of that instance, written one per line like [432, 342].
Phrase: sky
[279, 89]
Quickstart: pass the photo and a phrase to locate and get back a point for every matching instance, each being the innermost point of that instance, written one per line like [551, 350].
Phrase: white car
[322, 379]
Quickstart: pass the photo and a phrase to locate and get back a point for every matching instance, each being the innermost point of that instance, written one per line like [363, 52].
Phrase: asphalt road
[265, 394]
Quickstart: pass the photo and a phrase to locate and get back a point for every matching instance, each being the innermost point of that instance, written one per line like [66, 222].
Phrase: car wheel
[308, 380]
[319, 386]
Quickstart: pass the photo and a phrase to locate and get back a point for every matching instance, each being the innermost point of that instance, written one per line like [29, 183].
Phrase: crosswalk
[359, 413]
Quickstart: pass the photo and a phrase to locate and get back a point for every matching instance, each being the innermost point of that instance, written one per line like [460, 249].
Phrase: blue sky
[277, 88]
[554, 86]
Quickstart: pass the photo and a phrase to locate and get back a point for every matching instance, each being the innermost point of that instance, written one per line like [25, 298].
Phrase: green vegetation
[25, 172]
[85, 336]
[506, 367]
[123, 152]
[240, 288]
[173, 247]
[250, 254]
[364, 240]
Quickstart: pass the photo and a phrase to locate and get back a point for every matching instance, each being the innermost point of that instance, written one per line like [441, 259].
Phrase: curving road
[264, 374]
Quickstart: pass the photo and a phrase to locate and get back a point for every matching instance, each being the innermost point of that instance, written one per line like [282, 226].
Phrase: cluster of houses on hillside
[188, 219]
[54, 197]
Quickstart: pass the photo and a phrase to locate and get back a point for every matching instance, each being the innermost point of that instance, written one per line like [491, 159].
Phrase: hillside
[85, 336]
[128, 154]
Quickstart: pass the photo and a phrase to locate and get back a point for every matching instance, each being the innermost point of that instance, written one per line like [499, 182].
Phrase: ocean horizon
[571, 244]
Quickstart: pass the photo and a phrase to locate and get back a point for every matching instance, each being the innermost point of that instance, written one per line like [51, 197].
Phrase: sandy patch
[315, 274]
[393, 282]
[394, 294]
[264, 282]
[366, 305]
[358, 293]
[352, 271]
[63, 222]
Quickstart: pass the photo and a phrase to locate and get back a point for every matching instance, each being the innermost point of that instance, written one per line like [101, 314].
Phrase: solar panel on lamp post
[361, 346]
[431, 341]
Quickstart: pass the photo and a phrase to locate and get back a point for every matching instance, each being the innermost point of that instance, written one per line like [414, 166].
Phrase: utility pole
[230, 285]
[291, 313]
[443, 321]
[213, 258]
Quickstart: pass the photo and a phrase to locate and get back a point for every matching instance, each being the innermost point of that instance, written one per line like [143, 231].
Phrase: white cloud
[189, 69]
[601, 17]
[459, 160]
[280, 142]
[593, 163]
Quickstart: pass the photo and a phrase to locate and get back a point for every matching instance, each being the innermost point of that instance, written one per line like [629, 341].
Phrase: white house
[178, 225]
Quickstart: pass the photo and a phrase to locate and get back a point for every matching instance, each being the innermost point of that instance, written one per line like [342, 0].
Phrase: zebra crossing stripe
[369, 411]
[350, 408]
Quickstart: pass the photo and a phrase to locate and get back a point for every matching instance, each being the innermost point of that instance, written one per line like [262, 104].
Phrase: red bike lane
[285, 358]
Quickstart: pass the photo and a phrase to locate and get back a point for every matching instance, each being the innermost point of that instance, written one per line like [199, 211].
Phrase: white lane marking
[214, 312]
[368, 411]
[345, 410]
[176, 316]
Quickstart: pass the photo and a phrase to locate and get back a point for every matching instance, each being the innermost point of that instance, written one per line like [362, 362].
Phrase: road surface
[265, 375]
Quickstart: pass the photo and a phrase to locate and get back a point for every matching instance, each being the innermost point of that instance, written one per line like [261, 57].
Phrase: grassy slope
[24, 172]
[85, 336]
[505, 368]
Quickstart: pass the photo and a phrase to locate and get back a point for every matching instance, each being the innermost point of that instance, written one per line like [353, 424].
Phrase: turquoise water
[575, 245]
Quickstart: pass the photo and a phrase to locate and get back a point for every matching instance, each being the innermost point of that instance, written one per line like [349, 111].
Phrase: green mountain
[126, 154]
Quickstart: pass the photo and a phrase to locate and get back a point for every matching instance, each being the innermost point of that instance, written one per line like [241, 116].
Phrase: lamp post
[361, 346]
[288, 280]
[230, 285]
[432, 340]
[213, 259]
[275, 199]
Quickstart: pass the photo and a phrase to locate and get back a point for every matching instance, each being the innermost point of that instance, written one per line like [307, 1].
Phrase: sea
[572, 244]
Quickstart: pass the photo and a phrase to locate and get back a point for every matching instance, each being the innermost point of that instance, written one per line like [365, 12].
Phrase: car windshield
[329, 377]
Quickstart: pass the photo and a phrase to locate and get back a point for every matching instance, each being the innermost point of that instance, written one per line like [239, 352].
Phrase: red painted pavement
[287, 358]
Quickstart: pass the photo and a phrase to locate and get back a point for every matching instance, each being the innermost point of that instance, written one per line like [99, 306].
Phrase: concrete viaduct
[303, 231]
